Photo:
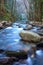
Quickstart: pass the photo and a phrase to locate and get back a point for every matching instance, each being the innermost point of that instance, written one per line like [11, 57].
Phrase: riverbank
[4, 24]
[36, 23]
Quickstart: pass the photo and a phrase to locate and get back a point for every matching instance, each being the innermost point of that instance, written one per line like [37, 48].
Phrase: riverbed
[11, 41]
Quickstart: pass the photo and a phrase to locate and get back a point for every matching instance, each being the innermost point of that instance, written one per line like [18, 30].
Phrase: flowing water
[10, 40]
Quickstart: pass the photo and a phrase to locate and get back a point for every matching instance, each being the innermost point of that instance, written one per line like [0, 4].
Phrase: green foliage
[6, 16]
[10, 12]
[42, 10]
[42, 0]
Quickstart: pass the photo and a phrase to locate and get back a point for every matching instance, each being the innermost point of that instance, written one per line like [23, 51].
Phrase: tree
[37, 10]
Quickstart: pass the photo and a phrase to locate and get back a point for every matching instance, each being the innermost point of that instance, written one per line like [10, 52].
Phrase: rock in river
[1, 26]
[30, 36]
[28, 27]
[7, 60]
[19, 55]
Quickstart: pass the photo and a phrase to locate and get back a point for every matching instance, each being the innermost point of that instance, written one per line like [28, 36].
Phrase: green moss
[20, 55]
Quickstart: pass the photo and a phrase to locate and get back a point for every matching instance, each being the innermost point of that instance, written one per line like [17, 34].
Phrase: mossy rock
[19, 55]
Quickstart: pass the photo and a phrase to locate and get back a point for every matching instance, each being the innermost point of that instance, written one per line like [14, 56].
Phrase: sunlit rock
[6, 23]
[3, 21]
[30, 36]
[31, 22]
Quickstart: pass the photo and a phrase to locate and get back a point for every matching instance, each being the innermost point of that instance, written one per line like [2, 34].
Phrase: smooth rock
[28, 27]
[30, 36]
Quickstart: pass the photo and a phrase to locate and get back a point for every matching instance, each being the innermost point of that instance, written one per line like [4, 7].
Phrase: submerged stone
[40, 32]
[7, 60]
[19, 55]
[1, 50]
[1, 26]
[40, 45]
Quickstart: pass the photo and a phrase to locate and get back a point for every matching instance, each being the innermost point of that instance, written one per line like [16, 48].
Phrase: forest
[17, 10]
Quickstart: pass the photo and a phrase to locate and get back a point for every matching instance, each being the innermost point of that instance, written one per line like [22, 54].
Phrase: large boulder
[30, 36]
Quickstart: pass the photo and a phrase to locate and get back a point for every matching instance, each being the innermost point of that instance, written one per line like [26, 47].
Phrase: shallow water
[38, 60]
[10, 40]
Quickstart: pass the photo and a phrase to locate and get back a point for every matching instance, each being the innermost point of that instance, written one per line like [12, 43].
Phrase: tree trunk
[37, 10]
[2, 9]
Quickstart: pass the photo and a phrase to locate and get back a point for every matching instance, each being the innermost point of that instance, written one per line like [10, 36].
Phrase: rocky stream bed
[15, 51]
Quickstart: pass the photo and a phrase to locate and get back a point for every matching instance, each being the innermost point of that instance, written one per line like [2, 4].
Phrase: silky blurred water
[10, 40]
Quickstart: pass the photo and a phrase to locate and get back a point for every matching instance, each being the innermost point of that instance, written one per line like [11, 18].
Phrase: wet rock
[41, 27]
[30, 36]
[40, 45]
[41, 38]
[4, 60]
[19, 55]
[6, 23]
[22, 26]
[40, 32]
[1, 51]
[1, 26]
[28, 27]
[31, 22]
[7, 60]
